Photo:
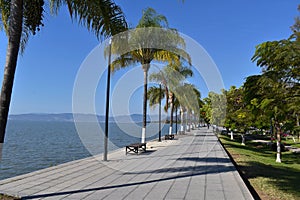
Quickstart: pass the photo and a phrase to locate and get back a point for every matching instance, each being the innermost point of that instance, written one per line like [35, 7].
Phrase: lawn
[5, 197]
[271, 180]
[291, 142]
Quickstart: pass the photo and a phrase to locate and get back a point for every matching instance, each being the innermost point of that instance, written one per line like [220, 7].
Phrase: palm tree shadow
[206, 159]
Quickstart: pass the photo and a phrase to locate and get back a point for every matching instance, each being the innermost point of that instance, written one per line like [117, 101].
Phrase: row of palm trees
[152, 40]
[178, 93]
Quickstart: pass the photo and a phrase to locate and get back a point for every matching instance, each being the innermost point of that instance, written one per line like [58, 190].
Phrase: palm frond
[102, 17]
[122, 62]
[5, 10]
[151, 18]
[154, 94]
[33, 14]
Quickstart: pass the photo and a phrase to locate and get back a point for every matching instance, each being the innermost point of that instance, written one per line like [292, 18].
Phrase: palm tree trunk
[14, 37]
[187, 120]
[146, 67]
[182, 120]
[172, 111]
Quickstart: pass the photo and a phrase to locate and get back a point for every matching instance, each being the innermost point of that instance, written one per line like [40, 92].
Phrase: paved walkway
[193, 166]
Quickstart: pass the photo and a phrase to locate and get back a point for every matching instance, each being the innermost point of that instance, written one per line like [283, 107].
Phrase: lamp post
[159, 115]
[107, 103]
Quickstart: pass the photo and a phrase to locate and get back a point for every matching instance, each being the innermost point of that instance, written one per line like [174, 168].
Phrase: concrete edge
[246, 181]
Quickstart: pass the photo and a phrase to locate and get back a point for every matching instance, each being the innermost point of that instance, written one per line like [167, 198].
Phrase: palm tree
[150, 41]
[155, 95]
[171, 77]
[21, 18]
[189, 99]
[176, 107]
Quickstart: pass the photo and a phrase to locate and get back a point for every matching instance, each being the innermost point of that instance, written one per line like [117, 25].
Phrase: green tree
[238, 114]
[278, 92]
[218, 108]
[252, 96]
[152, 40]
[271, 97]
[206, 110]
[21, 18]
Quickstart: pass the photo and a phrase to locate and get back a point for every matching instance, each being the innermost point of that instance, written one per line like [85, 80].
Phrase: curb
[246, 181]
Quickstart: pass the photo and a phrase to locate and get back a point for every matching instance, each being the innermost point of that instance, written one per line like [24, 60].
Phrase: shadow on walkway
[185, 172]
[206, 159]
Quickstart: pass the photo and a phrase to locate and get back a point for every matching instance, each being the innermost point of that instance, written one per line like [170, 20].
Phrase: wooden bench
[169, 137]
[135, 147]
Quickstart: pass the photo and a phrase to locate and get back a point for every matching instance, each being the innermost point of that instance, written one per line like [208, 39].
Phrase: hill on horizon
[69, 117]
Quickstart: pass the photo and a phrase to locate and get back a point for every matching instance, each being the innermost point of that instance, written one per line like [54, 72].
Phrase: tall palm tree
[189, 99]
[152, 31]
[21, 18]
[176, 107]
[155, 95]
[171, 77]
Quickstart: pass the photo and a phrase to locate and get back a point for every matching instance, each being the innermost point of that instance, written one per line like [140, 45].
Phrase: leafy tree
[238, 113]
[272, 100]
[218, 108]
[21, 18]
[277, 90]
[278, 80]
[260, 118]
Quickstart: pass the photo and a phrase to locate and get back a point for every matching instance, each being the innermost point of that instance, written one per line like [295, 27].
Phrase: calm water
[30, 146]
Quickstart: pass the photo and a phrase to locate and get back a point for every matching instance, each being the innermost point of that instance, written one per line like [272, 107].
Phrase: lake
[34, 145]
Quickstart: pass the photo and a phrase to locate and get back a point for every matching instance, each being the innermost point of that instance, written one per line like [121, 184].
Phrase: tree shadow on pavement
[171, 174]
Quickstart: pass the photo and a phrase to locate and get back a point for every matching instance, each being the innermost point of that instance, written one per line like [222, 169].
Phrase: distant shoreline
[69, 117]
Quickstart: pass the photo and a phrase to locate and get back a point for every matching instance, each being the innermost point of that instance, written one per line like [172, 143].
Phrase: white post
[170, 130]
[143, 135]
[278, 159]
[182, 120]
[243, 139]
[231, 135]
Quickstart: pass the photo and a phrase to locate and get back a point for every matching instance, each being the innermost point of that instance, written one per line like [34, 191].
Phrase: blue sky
[227, 30]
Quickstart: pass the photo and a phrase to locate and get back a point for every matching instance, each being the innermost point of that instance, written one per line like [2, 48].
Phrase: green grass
[270, 180]
[291, 142]
[5, 197]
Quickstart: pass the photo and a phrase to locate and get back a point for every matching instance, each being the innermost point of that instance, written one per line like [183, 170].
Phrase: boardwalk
[193, 166]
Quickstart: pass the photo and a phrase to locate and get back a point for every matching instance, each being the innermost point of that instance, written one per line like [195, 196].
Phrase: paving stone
[193, 166]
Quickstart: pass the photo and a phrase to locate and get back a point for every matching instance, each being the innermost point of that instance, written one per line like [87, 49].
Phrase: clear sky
[227, 30]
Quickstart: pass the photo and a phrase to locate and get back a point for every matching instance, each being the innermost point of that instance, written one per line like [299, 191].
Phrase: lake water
[31, 145]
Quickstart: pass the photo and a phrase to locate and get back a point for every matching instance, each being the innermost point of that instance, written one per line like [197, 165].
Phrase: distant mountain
[69, 117]
[42, 117]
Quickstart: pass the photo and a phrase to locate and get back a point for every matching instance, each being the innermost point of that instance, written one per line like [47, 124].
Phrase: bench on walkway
[169, 137]
[135, 147]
